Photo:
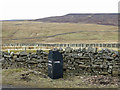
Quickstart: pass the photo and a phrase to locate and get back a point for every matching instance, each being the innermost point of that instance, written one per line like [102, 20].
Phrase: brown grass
[12, 77]
[30, 29]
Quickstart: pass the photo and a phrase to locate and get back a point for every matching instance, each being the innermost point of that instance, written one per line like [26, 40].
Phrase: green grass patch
[28, 51]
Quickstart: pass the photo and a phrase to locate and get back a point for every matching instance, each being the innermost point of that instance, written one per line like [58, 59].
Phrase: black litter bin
[55, 64]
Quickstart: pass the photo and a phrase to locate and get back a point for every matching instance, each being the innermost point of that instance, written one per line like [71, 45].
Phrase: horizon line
[52, 16]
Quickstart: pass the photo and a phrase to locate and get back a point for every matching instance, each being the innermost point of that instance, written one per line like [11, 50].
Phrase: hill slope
[43, 32]
[102, 18]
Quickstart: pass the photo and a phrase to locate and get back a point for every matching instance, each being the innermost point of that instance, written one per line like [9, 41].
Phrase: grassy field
[40, 32]
[20, 77]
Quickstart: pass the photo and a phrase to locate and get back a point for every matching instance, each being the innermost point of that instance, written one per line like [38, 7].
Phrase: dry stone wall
[76, 61]
[90, 61]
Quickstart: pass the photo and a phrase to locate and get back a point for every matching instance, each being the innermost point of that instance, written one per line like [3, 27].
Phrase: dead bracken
[101, 80]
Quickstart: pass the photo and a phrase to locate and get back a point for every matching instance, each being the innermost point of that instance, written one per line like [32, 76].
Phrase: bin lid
[55, 55]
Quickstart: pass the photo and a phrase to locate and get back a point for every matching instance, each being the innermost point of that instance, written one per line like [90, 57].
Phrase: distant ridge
[97, 18]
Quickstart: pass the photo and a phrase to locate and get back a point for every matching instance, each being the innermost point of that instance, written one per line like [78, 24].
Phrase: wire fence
[109, 45]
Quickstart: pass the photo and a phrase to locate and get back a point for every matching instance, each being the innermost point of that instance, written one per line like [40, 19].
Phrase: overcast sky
[33, 9]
